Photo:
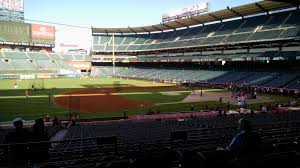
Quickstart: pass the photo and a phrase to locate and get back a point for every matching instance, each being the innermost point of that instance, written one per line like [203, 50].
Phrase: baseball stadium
[203, 88]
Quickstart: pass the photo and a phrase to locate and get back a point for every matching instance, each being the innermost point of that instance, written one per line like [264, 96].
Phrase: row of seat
[11, 60]
[32, 64]
[271, 55]
[264, 27]
[43, 56]
[265, 79]
[127, 143]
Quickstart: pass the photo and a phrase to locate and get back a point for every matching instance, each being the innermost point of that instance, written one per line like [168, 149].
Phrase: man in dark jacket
[244, 148]
[17, 153]
[242, 152]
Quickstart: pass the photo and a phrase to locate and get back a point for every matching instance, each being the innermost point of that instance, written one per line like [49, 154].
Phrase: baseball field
[105, 97]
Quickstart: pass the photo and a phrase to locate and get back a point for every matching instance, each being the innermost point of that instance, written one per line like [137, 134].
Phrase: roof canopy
[240, 11]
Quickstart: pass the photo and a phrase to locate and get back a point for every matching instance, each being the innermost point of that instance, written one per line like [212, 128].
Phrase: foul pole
[113, 54]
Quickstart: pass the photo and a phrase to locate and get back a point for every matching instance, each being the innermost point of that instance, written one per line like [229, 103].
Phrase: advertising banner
[42, 32]
[82, 65]
[27, 76]
[196, 9]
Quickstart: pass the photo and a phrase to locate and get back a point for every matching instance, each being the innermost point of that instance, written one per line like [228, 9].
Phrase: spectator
[180, 119]
[17, 155]
[221, 99]
[225, 113]
[244, 101]
[239, 101]
[71, 122]
[252, 110]
[264, 109]
[220, 112]
[293, 103]
[55, 121]
[244, 148]
[228, 105]
[47, 118]
[238, 110]
[39, 151]
[192, 107]
[243, 151]
[125, 112]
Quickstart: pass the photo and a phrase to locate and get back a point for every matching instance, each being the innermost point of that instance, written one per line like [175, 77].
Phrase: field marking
[132, 93]
[170, 94]
[81, 95]
[212, 90]
[174, 93]
[169, 103]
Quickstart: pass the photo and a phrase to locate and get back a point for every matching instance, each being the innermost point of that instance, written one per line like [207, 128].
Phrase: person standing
[228, 106]
[192, 107]
[16, 85]
[26, 94]
[254, 94]
[221, 99]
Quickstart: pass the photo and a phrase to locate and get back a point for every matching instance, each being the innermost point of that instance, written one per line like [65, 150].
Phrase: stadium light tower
[113, 54]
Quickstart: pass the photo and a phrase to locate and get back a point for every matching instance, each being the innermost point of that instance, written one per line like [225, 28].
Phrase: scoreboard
[14, 33]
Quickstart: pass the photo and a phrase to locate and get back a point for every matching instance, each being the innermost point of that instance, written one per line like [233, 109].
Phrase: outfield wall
[39, 76]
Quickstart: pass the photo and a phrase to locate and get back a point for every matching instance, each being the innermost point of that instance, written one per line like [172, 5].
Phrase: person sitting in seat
[244, 148]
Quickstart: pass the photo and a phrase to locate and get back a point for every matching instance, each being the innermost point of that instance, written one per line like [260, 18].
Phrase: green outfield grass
[70, 83]
[14, 104]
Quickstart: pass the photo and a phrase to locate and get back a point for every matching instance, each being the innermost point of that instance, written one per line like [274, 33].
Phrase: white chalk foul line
[81, 95]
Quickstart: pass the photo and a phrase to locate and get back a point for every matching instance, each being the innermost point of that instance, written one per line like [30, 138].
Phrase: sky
[107, 13]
